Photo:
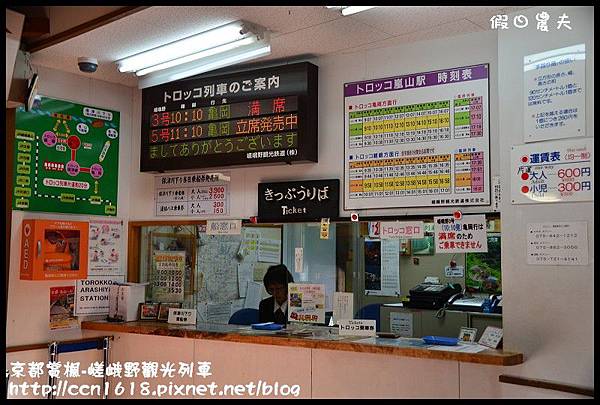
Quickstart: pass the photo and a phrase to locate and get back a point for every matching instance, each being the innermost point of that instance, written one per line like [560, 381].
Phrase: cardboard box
[124, 300]
[54, 250]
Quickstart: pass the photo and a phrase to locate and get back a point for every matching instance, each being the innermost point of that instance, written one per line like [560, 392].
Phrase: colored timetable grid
[468, 172]
[397, 125]
[418, 140]
[468, 117]
[400, 176]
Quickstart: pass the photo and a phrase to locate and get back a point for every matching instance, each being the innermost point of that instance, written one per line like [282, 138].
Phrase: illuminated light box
[257, 117]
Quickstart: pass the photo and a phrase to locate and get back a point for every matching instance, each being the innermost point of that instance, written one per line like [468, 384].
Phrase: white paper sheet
[402, 323]
[269, 250]
[343, 306]
[462, 348]
[219, 313]
[253, 295]
[236, 306]
[245, 274]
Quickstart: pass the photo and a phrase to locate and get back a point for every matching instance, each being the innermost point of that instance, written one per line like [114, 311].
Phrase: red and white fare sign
[401, 230]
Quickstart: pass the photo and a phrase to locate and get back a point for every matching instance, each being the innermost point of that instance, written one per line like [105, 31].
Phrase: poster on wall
[382, 263]
[105, 248]
[62, 306]
[418, 140]
[554, 94]
[192, 194]
[66, 158]
[552, 171]
[306, 303]
[557, 243]
[167, 276]
[464, 235]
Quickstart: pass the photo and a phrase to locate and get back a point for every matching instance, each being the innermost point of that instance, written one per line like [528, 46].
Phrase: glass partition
[220, 275]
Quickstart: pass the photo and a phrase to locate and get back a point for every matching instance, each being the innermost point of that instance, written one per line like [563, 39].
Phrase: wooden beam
[83, 28]
[545, 384]
[35, 27]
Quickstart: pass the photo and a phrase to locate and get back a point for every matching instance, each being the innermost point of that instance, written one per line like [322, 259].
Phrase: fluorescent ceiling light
[206, 64]
[348, 10]
[238, 35]
[354, 9]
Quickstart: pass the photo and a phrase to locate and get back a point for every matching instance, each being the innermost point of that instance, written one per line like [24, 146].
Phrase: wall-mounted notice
[62, 306]
[66, 158]
[167, 276]
[192, 194]
[224, 227]
[557, 243]
[401, 323]
[468, 234]
[553, 171]
[418, 140]
[554, 94]
[402, 230]
[104, 248]
[382, 263]
[306, 303]
[92, 295]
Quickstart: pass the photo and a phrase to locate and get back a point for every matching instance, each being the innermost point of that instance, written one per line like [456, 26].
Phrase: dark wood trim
[83, 28]
[38, 346]
[545, 384]
[11, 114]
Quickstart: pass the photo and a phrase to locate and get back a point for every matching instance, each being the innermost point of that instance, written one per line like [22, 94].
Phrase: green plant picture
[483, 273]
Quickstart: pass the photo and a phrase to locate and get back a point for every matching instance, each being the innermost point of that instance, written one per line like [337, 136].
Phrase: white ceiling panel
[296, 31]
[441, 31]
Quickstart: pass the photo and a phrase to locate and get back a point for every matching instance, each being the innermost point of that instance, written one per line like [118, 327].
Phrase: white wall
[334, 71]
[549, 310]
[29, 301]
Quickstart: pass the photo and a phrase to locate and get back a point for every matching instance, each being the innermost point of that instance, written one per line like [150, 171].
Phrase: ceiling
[296, 32]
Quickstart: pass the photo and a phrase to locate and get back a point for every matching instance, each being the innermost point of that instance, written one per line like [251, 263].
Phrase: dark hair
[277, 274]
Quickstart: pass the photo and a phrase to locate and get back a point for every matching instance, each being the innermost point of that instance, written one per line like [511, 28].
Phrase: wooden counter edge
[136, 327]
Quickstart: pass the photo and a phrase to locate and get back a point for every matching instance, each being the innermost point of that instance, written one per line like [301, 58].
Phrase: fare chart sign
[418, 140]
[553, 171]
[255, 117]
[192, 194]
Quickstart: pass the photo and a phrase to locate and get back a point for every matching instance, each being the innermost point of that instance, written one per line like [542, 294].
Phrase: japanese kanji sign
[558, 243]
[467, 234]
[259, 116]
[402, 230]
[552, 171]
[554, 94]
[192, 194]
[418, 140]
[308, 200]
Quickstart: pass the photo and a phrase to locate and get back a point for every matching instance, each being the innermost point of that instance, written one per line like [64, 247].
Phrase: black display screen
[255, 117]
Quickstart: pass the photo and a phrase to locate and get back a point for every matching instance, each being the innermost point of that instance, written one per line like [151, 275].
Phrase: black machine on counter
[433, 296]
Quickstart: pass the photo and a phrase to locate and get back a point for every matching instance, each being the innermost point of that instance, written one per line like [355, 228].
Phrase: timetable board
[66, 158]
[418, 140]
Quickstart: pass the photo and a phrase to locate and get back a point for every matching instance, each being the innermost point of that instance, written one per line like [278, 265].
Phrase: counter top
[244, 334]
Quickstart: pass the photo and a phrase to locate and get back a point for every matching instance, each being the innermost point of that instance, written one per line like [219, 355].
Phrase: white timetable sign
[418, 140]
[192, 194]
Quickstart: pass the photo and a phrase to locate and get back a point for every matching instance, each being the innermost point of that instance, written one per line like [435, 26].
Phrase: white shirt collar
[283, 306]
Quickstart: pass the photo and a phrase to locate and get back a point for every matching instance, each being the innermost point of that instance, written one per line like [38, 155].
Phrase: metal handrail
[38, 346]
[546, 384]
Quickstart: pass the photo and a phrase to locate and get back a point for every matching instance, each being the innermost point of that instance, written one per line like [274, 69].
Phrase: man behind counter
[274, 308]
